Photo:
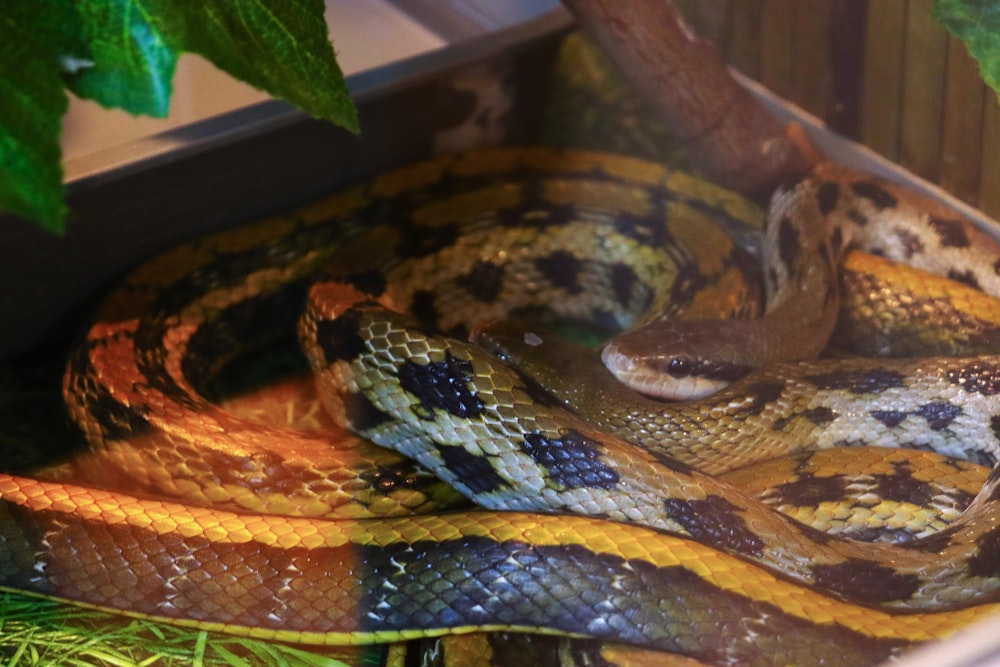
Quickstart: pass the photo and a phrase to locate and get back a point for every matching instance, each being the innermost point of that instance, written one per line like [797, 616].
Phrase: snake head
[658, 360]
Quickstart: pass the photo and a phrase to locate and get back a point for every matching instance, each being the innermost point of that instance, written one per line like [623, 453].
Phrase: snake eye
[680, 367]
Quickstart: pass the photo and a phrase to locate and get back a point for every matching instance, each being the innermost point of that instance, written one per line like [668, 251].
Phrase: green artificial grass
[36, 631]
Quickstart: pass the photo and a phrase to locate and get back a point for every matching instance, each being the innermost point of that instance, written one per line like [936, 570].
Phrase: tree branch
[726, 132]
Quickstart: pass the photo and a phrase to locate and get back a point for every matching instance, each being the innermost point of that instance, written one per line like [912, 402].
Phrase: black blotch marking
[820, 415]
[562, 269]
[952, 233]
[857, 217]
[986, 561]
[890, 418]
[978, 456]
[866, 582]
[79, 359]
[836, 241]
[419, 241]
[863, 381]
[817, 416]
[976, 377]
[879, 196]
[623, 281]
[910, 242]
[809, 489]
[962, 499]
[116, 420]
[995, 428]
[826, 196]
[716, 522]
[939, 415]
[475, 472]
[371, 283]
[932, 543]
[966, 277]
[788, 241]
[689, 281]
[901, 486]
[256, 320]
[361, 413]
[573, 460]
[899, 536]
[996, 267]
[648, 230]
[386, 480]
[441, 385]
[484, 280]
[422, 307]
[761, 395]
[339, 338]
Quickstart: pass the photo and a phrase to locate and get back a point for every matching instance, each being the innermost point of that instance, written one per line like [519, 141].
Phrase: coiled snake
[604, 539]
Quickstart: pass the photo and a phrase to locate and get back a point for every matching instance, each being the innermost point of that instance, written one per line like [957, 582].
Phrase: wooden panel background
[881, 72]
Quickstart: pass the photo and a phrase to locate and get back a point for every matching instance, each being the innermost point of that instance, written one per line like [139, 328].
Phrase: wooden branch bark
[723, 128]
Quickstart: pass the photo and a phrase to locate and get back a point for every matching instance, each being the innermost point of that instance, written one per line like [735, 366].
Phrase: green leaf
[122, 53]
[131, 65]
[977, 23]
[280, 46]
[32, 102]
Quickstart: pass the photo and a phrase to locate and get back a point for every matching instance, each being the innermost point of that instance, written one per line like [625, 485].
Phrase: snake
[809, 227]
[181, 511]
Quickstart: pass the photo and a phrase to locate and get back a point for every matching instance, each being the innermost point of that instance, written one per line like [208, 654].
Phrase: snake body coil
[809, 227]
[713, 573]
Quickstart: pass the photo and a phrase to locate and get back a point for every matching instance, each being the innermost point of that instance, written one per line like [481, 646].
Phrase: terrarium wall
[881, 72]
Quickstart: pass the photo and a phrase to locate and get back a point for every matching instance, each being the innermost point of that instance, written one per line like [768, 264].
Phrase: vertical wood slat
[812, 69]
[962, 124]
[924, 57]
[906, 88]
[777, 44]
[880, 96]
[989, 175]
[847, 46]
[743, 40]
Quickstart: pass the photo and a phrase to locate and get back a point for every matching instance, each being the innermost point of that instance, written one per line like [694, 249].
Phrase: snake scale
[183, 511]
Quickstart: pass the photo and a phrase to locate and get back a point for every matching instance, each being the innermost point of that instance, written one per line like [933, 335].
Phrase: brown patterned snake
[809, 226]
[668, 556]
